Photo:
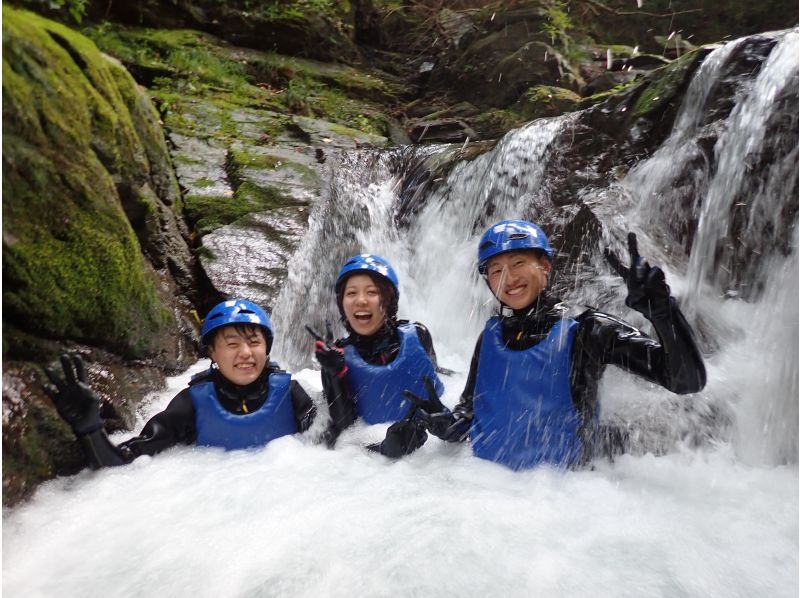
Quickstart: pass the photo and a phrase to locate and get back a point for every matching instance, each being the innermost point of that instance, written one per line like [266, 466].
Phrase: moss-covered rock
[72, 266]
[37, 444]
[321, 29]
[546, 100]
[181, 67]
[93, 253]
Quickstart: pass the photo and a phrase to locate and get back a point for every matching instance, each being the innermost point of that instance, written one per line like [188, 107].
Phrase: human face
[517, 277]
[240, 356]
[361, 302]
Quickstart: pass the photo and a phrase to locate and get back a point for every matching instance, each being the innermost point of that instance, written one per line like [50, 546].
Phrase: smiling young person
[242, 401]
[531, 393]
[364, 374]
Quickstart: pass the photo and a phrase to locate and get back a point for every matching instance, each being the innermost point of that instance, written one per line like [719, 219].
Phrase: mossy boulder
[93, 253]
[72, 264]
[546, 100]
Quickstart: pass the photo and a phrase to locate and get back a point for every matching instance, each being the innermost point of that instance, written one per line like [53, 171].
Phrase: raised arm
[673, 361]
[79, 406]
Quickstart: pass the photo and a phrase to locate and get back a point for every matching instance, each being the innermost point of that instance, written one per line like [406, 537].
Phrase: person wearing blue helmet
[364, 374]
[531, 392]
[242, 401]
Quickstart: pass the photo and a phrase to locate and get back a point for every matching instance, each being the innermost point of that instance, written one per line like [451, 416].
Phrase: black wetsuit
[377, 349]
[177, 423]
[674, 363]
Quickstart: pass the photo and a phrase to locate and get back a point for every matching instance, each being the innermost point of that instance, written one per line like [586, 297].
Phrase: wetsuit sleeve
[673, 361]
[456, 429]
[426, 339]
[175, 425]
[304, 409]
[340, 405]
[100, 451]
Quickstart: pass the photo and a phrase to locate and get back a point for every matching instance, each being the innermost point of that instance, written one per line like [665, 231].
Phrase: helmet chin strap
[508, 312]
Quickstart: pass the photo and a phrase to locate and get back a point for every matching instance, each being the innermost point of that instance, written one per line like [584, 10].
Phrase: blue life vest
[378, 389]
[218, 427]
[523, 409]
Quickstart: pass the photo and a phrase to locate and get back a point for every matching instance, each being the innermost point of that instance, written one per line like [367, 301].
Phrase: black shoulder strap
[274, 368]
[203, 376]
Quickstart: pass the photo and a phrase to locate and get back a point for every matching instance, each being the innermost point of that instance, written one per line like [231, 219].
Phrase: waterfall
[741, 282]
[434, 256]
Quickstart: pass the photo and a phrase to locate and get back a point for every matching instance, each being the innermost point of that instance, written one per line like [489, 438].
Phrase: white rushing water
[703, 515]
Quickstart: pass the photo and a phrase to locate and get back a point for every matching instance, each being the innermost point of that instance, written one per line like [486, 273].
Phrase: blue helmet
[365, 263]
[511, 235]
[235, 311]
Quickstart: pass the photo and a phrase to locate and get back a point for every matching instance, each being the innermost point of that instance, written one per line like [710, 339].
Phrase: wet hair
[245, 330]
[388, 297]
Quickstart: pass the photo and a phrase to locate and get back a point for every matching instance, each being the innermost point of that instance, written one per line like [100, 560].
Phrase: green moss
[661, 85]
[557, 22]
[189, 63]
[279, 10]
[622, 88]
[239, 161]
[495, 123]
[183, 65]
[72, 266]
[208, 212]
[545, 100]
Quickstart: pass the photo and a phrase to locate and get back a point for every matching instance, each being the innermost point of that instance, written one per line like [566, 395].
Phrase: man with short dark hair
[531, 393]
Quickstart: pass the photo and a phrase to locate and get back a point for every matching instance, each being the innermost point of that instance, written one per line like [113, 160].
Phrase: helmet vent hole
[516, 236]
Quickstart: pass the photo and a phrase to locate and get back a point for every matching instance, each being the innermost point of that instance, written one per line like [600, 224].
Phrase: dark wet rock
[37, 444]
[421, 174]
[442, 130]
[249, 258]
[495, 69]
[249, 190]
[454, 26]
[319, 132]
[200, 165]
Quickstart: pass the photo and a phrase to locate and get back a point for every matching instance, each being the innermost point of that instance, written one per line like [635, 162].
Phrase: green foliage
[296, 9]
[558, 23]
[76, 9]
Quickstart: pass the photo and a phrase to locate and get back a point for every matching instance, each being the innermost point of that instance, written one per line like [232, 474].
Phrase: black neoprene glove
[330, 357]
[433, 415]
[648, 292]
[403, 438]
[75, 401]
